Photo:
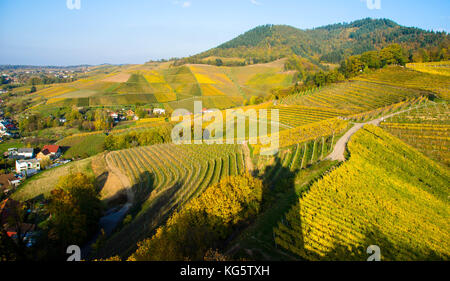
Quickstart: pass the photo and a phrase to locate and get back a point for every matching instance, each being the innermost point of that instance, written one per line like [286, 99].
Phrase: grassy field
[4, 146]
[44, 182]
[355, 206]
[82, 146]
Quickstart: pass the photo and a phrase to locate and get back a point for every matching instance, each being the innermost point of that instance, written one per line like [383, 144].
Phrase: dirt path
[339, 148]
[124, 181]
[248, 159]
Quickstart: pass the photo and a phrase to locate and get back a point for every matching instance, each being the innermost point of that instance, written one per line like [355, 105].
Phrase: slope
[354, 206]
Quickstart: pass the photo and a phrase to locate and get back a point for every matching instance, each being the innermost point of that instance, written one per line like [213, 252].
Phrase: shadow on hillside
[390, 250]
[141, 191]
[64, 149]
[149, 211]
[279, 185]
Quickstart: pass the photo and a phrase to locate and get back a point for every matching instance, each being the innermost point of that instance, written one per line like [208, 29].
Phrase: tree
[393, 54]
[219, 62]
[141, 112]
[75, 210]
[33, 89]
[45, 162]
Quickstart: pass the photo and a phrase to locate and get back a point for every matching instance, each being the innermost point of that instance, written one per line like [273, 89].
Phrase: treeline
[216, 62]
[139, 138]
[355, 65]
[84, 119]
[204, 223]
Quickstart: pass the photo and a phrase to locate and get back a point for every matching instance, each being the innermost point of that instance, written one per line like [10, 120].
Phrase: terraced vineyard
[176, 87]
[296, 116]
[374, 114]
[410, 79]
[353, 97]
[426, 128]
[305, 133]
[165, 177]
[354, 206]
[440, 68]
[294, 158]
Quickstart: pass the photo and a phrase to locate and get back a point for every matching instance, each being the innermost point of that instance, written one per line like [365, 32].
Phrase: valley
[361, 156]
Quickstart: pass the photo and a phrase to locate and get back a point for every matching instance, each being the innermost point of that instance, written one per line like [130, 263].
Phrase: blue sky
[46, 32]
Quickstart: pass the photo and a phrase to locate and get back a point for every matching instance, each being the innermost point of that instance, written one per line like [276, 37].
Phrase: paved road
[339, 148]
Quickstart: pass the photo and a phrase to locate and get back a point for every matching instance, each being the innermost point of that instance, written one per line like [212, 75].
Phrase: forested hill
[330, 43]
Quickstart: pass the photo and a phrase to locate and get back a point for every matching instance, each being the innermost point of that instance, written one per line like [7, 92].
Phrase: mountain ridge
[330, 43]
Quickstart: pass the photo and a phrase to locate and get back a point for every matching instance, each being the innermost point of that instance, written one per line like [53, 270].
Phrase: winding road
[338, 153]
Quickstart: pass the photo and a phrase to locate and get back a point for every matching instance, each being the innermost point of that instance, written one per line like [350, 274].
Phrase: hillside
[425, 128]
[355, 206]
[330, 43]
[171, 87]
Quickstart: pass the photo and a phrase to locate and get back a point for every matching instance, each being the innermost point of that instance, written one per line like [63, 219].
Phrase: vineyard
[377, 113]
[355, 206]
[305, 133]
[176, 87]
[401, 77]
[439, 68]
[353, 97]
[295, 158]
[296, 116]
[427, 128]
[165, 177]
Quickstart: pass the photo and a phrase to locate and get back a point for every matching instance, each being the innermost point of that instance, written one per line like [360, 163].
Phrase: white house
[28, 167]
[25, 153]
[159, 111]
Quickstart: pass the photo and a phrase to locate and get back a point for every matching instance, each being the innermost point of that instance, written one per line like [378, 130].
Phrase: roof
[25, 150]
[45, 152]
[27, 161]
[51, 148]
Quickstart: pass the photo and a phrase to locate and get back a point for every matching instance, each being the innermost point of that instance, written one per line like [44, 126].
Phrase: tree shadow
[256, 242]
[150, 210]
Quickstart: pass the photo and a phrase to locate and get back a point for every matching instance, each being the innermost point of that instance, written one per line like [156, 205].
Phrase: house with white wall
[28, 167]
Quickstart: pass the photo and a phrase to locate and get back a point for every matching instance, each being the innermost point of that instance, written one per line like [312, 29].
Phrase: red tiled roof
[51, 148]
